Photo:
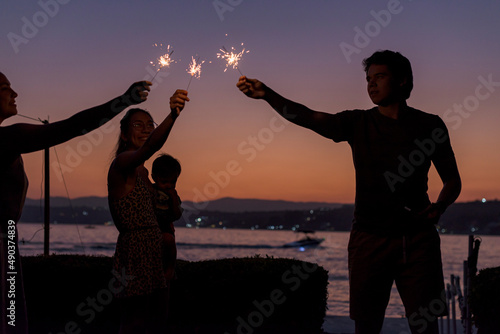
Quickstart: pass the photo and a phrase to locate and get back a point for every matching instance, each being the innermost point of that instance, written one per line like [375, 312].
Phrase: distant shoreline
[479, 217]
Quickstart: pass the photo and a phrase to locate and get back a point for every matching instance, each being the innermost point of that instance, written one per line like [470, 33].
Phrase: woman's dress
[138, 252]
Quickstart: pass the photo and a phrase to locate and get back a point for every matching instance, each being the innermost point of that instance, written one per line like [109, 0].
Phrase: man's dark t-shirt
[392, 159]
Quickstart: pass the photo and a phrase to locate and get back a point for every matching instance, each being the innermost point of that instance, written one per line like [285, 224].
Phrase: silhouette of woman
[21, 138]
[139, 246]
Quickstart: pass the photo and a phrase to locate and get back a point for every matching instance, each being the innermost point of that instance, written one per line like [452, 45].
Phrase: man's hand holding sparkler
[178, 101]
[251, 87]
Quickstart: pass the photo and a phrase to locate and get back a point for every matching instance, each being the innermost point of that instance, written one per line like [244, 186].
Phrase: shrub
[67, 293]
[485, 300]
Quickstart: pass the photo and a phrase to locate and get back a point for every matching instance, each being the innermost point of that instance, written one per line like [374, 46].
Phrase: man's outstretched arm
[292, 111]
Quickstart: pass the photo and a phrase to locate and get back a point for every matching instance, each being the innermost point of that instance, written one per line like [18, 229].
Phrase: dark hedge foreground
[72, 294]
[485, 300]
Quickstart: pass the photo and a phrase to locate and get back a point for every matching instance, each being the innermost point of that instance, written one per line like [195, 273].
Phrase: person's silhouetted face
[8, 96]
[383, 88]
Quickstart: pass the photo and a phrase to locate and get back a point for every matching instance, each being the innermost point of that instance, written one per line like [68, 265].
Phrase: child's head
[166, 170]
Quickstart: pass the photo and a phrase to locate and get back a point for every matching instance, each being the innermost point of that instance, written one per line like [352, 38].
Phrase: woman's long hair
[121, 145]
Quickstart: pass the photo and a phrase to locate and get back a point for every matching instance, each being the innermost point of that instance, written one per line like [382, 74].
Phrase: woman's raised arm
[130, 160]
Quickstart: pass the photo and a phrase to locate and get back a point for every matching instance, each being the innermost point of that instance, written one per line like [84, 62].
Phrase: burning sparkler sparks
[194, 69]
[232, 58]
[164, 61]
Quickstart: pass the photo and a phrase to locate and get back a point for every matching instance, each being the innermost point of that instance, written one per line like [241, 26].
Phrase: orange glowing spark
[194, 69]
[232, 58]
[164, 61]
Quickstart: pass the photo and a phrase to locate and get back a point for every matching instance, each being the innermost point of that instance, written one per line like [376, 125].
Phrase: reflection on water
[205, 244]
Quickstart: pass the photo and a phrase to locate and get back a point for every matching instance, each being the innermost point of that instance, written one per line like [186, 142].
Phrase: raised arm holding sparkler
[24, 138]
[292, 111]
[149, 139]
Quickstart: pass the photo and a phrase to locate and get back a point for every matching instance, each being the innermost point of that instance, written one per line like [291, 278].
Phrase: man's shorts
[412, 261]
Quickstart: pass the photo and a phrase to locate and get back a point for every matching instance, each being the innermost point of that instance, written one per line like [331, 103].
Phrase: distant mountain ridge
[62, 202]
[230, 204]
[226, 204]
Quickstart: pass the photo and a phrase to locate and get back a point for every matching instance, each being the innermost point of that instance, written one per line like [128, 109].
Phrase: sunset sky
[64, 56]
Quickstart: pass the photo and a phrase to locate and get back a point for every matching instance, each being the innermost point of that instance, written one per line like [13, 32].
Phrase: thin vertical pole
[46, 225]
[453, 311]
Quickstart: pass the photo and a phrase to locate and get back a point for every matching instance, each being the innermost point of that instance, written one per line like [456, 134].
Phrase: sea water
[204, 244]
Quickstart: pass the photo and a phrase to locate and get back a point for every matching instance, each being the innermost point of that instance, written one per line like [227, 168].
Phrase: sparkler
[194, 69]
[164, 61]
[232, 58]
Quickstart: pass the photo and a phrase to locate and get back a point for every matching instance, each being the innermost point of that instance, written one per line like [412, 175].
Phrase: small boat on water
[305, 242]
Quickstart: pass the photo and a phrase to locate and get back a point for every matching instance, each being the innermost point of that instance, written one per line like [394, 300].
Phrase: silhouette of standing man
[393, 237]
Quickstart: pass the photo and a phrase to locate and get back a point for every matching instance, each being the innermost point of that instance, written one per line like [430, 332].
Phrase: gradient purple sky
[84, 53]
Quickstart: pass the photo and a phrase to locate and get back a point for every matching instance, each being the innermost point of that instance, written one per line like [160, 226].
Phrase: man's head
[396, 71]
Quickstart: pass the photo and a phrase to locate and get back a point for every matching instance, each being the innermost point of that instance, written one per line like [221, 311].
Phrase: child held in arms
[165, 172]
